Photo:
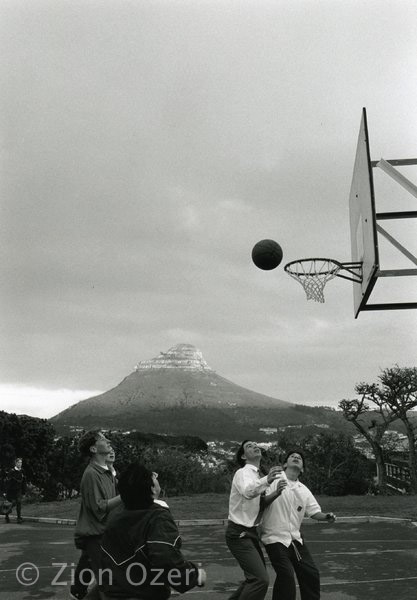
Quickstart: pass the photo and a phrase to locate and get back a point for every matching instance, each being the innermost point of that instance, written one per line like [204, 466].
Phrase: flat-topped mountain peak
[182, 356]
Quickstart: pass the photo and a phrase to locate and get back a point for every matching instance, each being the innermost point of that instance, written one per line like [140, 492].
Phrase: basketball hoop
[314, 273]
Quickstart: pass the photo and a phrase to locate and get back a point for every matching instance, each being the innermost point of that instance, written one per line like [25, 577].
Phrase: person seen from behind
[141, 546]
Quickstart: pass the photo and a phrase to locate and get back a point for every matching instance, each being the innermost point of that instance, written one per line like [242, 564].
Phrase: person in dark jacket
[141, 556]
[15, 490]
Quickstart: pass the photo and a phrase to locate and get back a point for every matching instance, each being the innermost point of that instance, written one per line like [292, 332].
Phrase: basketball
[267, 255]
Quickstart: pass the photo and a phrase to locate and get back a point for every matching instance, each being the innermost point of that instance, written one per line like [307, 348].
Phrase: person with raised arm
[245, 511]
[284, 511]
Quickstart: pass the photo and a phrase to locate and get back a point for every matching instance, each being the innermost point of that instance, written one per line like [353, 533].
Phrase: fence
[398, 477]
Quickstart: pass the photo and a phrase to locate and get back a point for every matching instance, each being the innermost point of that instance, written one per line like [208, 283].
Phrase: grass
[214, 506]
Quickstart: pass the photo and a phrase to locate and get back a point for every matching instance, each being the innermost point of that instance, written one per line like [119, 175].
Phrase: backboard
[363, 232]
[364, 269]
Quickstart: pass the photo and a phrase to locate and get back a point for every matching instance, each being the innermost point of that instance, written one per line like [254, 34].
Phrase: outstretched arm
[320, 516]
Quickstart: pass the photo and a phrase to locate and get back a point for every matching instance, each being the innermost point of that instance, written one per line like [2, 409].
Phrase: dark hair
[87, 440]
[241, 450]
[135, 486]
[295, 451]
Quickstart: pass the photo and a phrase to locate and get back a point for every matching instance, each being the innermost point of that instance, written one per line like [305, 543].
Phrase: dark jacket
[143, 546]
[15, 484]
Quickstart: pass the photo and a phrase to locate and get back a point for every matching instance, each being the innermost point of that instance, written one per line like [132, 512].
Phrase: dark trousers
[88, 562]
[243, 543]
[289, 562]
[16, 502]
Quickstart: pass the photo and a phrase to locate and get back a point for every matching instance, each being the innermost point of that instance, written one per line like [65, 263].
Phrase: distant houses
[272, 430]
[268, 430]
[397, 443]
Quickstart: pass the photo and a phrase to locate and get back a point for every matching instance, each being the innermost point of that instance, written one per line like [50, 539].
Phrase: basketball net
[313, 274]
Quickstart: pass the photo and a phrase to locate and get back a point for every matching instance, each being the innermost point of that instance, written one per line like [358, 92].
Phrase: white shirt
[282, 519]
[247, 486]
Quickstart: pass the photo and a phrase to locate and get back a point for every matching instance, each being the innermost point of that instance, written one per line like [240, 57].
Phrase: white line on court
[61, 543]
[353, 552]
[322, 584]
[367, 581]
[42, 567]
[321, 541]
[359, 541]
[326, 554]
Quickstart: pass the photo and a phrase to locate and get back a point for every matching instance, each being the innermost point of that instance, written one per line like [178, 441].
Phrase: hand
[330, 517]
[274, 473]
[281, 485]
[202, 577]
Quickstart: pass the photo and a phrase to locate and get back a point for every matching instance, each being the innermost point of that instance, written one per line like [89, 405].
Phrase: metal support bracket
[355, 270]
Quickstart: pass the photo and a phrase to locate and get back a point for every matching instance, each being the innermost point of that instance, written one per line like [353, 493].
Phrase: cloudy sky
[147, 146]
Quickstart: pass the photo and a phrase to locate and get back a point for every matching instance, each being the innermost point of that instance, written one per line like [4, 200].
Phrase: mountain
[178, 393]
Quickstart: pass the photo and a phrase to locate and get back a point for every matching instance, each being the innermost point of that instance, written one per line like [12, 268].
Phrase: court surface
[357, 560]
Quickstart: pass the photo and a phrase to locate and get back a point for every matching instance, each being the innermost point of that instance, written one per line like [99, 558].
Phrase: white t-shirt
[282, 519]
[247, 486]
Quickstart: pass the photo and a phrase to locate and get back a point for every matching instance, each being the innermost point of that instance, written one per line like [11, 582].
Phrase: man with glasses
[280, 533]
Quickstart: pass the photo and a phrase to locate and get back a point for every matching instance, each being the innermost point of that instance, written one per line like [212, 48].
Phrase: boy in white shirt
[244, 515]
[280, 533]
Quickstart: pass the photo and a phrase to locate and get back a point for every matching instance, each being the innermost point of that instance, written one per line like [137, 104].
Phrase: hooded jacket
[141, 556]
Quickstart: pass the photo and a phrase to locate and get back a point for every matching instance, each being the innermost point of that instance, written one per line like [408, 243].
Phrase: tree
[399, 392]
[10, 432]
[334, 466]
[34, 445]
[29, 438]
[393, 398]
[66, 466]
[371, 425]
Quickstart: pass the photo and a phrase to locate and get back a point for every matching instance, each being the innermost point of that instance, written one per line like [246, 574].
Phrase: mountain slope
[178, 393]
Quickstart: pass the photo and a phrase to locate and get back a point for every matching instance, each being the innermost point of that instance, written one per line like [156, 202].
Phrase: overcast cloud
[147, 146]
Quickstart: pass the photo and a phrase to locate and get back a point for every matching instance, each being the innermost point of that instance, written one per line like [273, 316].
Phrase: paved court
[357, 560]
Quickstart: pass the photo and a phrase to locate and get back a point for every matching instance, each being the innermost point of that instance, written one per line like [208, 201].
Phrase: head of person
[18, 463]
[295, 460]
[248, 451]
[138, 486]
[94, 444]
